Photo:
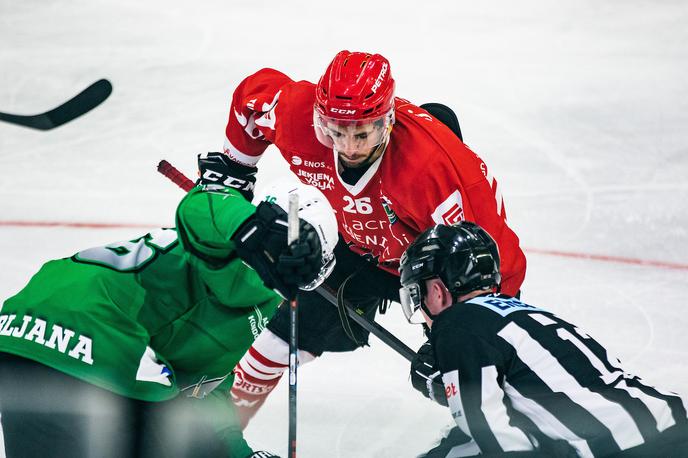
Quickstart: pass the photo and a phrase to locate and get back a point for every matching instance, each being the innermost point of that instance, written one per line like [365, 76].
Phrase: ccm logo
[226, 180]
[342, 111]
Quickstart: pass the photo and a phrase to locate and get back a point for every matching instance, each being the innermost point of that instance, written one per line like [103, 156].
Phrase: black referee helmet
[463, 256]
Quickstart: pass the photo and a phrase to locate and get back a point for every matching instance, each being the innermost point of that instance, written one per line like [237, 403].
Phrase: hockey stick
[374, 328]
[292, 236]
[81, 103]
[175, 176]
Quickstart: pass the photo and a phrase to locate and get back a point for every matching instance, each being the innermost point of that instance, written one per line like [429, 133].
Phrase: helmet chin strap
[381, 147]
[427, 310]
[423, 305]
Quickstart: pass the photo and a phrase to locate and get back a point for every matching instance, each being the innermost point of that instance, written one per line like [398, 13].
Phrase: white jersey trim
[499, 199]
[356, 189]
[237, 156]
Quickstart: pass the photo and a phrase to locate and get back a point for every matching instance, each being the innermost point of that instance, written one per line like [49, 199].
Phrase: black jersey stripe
[559, 382]
[529, 388]
[478, 425]
[646, 410]
[534, 418]
[676, 404]
[544, 362]
[494, 409]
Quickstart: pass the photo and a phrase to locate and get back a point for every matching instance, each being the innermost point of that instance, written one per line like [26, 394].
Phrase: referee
[519, 380]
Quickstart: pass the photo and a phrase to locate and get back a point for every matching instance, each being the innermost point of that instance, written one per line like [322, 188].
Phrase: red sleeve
[443, 181]
[489, 212]
[252, 114]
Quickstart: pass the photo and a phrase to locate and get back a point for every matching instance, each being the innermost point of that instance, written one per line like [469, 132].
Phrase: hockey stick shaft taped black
[371, 326]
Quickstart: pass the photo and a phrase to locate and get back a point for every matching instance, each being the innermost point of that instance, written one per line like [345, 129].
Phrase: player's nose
[349, 146]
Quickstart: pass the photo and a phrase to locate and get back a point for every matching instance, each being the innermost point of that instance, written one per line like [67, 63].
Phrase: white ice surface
[579, 107]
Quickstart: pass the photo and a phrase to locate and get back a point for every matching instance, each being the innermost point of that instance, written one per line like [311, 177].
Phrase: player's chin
[353, 163]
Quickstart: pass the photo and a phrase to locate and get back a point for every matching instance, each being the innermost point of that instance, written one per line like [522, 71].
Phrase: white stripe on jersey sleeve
[621, 425]
[497, 191]
[510, 438]
[546, 422]
[659, 408]
[542, 319]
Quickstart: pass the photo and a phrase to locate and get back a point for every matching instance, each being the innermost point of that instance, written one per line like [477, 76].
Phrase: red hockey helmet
[357, 88]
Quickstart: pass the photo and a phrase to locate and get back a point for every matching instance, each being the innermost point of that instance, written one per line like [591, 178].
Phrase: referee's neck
[472, 294]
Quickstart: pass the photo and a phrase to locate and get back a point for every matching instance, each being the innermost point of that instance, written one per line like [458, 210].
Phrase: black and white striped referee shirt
[516, 375]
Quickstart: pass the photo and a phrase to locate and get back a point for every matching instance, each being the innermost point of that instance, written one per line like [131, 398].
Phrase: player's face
[357, 145]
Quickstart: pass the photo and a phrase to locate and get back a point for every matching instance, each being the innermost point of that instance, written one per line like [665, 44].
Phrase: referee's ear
[438, 297]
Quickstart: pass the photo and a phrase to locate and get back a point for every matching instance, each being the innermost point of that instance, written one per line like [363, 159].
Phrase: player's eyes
[362, 136]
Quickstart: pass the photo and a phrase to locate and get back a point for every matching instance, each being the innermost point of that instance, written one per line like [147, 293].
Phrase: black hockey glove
[261, 242]
[425, 377]
[219, 169]
[261, 454]
[301, 264]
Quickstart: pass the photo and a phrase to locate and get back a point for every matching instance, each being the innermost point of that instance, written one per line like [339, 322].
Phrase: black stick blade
[78, 105]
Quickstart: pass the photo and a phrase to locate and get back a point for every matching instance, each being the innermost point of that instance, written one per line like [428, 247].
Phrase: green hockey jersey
[148, 317]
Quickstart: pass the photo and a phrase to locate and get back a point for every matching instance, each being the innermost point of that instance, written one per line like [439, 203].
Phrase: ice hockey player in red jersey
[389, 169]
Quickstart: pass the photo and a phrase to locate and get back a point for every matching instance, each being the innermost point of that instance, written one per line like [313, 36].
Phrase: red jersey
[425, 176]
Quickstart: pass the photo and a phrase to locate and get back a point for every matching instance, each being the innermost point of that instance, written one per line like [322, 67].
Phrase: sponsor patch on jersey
[451, 390]
[450, 211]
[296, 160]
[387, 206]
[451, 382]
[503, 306]
[257, 322]
[320, 180]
